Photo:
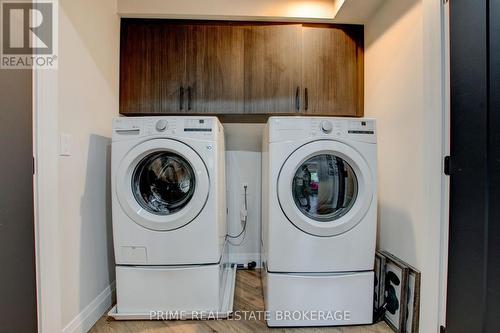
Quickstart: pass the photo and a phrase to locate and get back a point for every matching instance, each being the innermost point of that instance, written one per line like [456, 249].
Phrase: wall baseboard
[84, 321]
[245, 258]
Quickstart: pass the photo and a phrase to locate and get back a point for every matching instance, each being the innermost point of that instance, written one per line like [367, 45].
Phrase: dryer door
[325, 188]
[162, 184]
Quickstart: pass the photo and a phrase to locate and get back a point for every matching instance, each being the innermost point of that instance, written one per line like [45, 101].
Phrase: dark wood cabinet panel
[215, 69]
[173, 67]
[332, 70]
[272, 69]
[152, 67]
[140, 69]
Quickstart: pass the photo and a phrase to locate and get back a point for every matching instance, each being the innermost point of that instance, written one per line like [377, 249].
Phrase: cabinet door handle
[181, 98]
[297, 99]
[306, 99]
[189, 98]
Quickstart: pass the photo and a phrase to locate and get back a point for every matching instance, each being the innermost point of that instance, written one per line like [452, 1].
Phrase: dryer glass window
[163, 183]
[324, 187]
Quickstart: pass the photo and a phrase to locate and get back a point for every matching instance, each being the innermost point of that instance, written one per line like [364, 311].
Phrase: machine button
[326, 126]
[161, 125]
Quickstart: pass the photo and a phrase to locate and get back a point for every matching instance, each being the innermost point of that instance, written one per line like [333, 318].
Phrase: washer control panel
[126, 126]
[361, 127]
[190, 127]
[198, 125]
[152, 126]
[327, 127]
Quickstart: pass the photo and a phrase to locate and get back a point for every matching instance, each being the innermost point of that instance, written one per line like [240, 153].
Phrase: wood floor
[248, 297]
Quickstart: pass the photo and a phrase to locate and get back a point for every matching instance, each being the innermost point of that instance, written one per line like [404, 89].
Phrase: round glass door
[324, 187]
[163, 183]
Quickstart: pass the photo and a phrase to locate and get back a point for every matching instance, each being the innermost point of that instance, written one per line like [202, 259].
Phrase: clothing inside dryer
[325, 187]
[163, 183]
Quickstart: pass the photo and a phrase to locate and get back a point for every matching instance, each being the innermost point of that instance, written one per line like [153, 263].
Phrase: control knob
[161, 125]
[326, 126]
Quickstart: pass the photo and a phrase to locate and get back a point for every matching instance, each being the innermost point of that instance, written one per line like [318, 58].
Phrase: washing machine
[319, 218]
[169, 216]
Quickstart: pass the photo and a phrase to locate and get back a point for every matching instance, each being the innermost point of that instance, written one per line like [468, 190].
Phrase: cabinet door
[173, 68]
[215, 69]
[152, 67]
[272, 69]
[332, 70]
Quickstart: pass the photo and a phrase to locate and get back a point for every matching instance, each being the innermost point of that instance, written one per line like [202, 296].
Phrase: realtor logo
[29, 34]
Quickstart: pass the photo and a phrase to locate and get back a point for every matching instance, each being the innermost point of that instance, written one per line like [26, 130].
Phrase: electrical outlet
[244, 199]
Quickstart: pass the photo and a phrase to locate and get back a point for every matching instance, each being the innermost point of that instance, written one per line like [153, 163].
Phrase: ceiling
[331, 11]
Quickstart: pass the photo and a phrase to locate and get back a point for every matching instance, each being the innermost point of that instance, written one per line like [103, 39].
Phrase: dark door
[473, 301]
[332, 70]
[17, 239]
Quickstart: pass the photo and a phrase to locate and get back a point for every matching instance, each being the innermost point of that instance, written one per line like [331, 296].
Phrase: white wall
[398, 85]
[243, 166]
[87, 102]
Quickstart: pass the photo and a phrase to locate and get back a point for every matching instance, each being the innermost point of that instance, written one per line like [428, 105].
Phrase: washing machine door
[162, 184]
[325, 188]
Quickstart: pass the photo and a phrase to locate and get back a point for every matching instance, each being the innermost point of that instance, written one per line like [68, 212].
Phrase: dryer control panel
[291, 128]
[353, 129]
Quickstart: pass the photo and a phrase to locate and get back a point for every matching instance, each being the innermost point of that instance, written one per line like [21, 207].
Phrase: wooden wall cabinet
[222, 68]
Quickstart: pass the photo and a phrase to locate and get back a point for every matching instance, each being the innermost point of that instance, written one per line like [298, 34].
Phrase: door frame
[445, 180]
[436, 144]
[46, 182]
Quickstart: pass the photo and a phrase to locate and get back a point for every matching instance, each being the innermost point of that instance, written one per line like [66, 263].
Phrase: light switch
[65, 144]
